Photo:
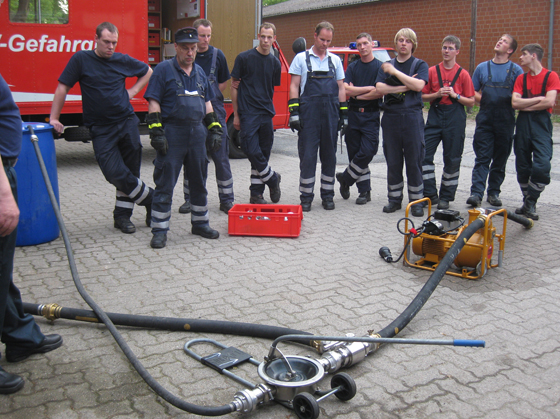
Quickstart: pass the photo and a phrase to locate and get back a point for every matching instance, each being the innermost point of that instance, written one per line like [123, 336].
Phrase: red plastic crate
[153, 21]
[265, 220]
[153, 39]
[153, 56]
[153, 5]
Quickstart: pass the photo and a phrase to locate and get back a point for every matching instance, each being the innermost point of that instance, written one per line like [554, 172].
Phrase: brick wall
[432, 20]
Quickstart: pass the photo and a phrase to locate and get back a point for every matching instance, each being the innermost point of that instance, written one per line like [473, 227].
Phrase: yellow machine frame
[479, 247]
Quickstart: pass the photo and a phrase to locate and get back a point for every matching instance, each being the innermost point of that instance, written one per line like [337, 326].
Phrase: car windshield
[382, 55]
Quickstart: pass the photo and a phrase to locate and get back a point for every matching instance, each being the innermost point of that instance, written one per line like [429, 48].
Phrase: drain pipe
[550, 34]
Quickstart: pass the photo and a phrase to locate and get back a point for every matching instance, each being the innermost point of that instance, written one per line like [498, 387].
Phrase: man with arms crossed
[362, 135]
[401, 81]
[534, 95]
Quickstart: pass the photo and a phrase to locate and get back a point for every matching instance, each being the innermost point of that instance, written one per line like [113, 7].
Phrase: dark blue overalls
[118, 152]
[403, 141]
[319, 105]
[533, 148]
[493, 136]
[186, 137]
[16, 327]
[445, 124]
[224, 177]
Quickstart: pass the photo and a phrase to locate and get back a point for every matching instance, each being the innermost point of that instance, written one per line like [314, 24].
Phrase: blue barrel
[37, 219]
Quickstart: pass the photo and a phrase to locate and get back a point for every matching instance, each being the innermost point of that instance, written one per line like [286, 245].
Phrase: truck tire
[77, 134]
[235, 151]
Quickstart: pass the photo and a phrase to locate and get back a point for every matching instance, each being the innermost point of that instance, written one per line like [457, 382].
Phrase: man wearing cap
[113, 126]
[19, 331]
[182, 126]
[214, 63]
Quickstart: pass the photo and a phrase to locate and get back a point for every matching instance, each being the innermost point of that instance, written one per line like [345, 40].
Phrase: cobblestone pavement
[329, 280]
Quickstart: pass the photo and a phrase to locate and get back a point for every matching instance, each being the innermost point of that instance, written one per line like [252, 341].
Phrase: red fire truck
[37, 38]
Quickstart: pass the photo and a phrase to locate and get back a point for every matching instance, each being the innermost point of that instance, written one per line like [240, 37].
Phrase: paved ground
[330, 280]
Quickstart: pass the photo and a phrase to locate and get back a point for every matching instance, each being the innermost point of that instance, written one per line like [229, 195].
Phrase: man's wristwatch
[458, 97]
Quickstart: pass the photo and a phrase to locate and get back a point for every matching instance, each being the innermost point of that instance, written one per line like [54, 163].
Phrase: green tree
[271, 2]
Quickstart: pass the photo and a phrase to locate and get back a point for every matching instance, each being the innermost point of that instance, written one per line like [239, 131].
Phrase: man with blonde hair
[401, 81]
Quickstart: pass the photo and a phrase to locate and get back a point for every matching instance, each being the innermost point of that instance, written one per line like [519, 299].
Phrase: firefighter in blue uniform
[214, 63]
[362, 135]
[534, 95]
[110, 117]
[493, 82]
[318, 109]
[401, 82]
[19, 332]
[449, 90]
[182, 127]
[254, 75]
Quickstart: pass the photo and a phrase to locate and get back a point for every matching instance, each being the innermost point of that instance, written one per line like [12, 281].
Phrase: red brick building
[478, 23]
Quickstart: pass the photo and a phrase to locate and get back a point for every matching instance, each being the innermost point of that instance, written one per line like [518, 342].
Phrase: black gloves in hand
[215, 132]
[157, 135]
[293, 107]
[343, 117]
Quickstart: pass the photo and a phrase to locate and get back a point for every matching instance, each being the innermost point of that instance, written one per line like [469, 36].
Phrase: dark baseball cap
[188, 35]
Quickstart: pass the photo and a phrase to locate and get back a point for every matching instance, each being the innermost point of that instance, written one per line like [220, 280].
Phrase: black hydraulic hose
[155, 386]
[52, 312]
[414, 307]
[525, 222]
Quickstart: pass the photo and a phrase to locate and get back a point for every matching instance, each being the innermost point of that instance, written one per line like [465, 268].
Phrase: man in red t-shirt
[534, 95]
[449, 90]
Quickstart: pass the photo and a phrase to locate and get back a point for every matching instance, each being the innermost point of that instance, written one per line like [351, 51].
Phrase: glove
[343, 117]
[293, 107]
[215, 132]
[157, 135]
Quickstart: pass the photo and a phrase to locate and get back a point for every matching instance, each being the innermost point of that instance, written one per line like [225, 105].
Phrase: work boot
[257, 199]
[205, 231]
[364, 198]
[186, 208]
[443, 204]
[344, 187]
[474, 201]
[16, 353]
[305, 206]
[10, 383]
[226, 206]
[125, 225]
[328, 204]
[392, 207]
[494, 200]
[159, 240]
[433, 199]
[275, 190]
[529, 209]
[418, 210]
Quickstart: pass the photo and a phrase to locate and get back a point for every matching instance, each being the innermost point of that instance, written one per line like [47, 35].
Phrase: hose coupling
[346, 355]
[247, 400]
[50, 311]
